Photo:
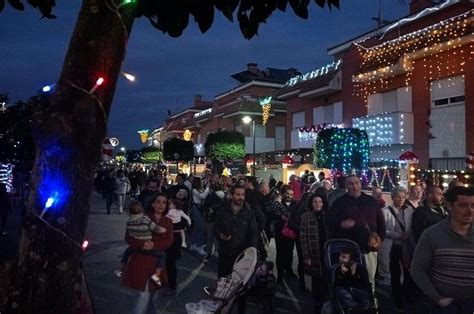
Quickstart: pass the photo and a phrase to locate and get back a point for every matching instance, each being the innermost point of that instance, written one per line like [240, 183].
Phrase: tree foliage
[178, 149]
[225, 145]
[151, 155]
[172, 17]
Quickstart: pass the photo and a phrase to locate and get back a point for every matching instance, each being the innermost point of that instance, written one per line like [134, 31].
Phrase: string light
[129, 76]
[6, 176]
[98, 83]
[395, 57]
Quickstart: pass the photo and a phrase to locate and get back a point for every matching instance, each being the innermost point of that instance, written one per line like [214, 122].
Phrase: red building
[410, 84]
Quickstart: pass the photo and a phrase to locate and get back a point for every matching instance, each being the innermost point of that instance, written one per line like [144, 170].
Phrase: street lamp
[247, 120]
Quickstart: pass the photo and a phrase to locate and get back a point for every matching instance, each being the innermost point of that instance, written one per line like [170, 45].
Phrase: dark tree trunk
[68, 138]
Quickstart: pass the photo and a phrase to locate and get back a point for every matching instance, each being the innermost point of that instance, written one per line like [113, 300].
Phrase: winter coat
[242, 227]
[140, 267]
[425, 217]
[122, 185]
[311, 243]
[391, 222]
[211, 205]
[364, 211]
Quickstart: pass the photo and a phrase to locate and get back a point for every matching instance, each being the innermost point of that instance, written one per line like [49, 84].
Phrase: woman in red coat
[140, 266]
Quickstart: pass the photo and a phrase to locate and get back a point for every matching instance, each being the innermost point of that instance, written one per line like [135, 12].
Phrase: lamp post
[247, 120]
[124, 153]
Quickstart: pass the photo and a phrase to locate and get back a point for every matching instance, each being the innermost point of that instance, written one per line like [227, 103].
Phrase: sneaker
[118, 273]
[156, 280]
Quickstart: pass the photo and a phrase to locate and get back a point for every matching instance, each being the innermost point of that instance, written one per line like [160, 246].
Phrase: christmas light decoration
[143, 135]
[334, 66]
[129, 76]
[98, 83]
[266, 104]
[311, 133]
[387, 128]
[398, 56]
[203, 112]
[342, 149]
[6, 176]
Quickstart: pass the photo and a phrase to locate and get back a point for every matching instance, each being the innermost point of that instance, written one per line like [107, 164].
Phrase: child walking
[140, 226]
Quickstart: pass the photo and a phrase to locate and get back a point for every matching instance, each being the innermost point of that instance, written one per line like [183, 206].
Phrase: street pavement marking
[293, 297]
[185, 283]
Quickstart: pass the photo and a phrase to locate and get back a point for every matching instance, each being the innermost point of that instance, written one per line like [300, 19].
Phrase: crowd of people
[421, 243]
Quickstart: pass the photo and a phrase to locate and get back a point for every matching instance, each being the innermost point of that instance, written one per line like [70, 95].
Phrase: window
[280, 136]
[448, 101]
[259, 131]
[298, 119]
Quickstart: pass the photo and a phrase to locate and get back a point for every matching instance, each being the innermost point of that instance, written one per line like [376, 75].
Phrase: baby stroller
[228, 288]
[262, 285]
[332, 250]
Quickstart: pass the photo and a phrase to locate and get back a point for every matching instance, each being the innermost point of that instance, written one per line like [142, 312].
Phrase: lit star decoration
[266, 104]
[398, 56]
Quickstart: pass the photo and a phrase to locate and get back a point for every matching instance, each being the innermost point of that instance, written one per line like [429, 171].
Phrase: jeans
[198, 227]
[284, 254]
[160, 255]
[144, 303]
[109, 200]
[352, 297]
[371, 266]
[209, 237]
[121, 201]
[396, 255]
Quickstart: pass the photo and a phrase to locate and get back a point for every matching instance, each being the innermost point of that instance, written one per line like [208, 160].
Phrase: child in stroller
[348, 281]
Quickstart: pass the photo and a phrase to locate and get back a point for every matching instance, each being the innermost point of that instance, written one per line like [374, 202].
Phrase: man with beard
[235, 230]
[429, 213]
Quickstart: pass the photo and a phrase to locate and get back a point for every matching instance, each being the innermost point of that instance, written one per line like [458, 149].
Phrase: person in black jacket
[235, 230]
[255, 201]
[430, 213]
[294, 222]
[284, 245]
[213, 202]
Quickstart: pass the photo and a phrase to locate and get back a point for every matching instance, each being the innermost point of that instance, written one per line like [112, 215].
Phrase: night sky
[170, 71]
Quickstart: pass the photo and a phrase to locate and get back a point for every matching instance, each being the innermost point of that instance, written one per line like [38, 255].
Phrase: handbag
[375, 241]
[288, 232]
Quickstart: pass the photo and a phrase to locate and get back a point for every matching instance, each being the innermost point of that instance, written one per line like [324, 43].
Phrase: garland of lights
[266, 104]
[6, 176]
[342, 149]
[380, 63]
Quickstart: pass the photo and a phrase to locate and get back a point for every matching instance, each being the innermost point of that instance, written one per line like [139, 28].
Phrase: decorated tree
[151, 155]
[342, 149]
[225, 145]
[69, 133]
[178, 149]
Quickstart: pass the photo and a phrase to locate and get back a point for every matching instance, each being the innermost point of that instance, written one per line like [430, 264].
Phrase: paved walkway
[105, 233]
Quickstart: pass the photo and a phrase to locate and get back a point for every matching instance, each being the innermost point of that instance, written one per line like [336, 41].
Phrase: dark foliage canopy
[172, 17]
[16, 140]
[225, 145]
[178, 149]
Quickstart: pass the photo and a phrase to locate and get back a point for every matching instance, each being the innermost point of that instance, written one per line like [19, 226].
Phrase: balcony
[387, 128]
[262, 144]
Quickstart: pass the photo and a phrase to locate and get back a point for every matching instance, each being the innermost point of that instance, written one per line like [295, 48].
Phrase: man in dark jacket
[430, 213]
[235, 230]
[355, 216]
[255, 201]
